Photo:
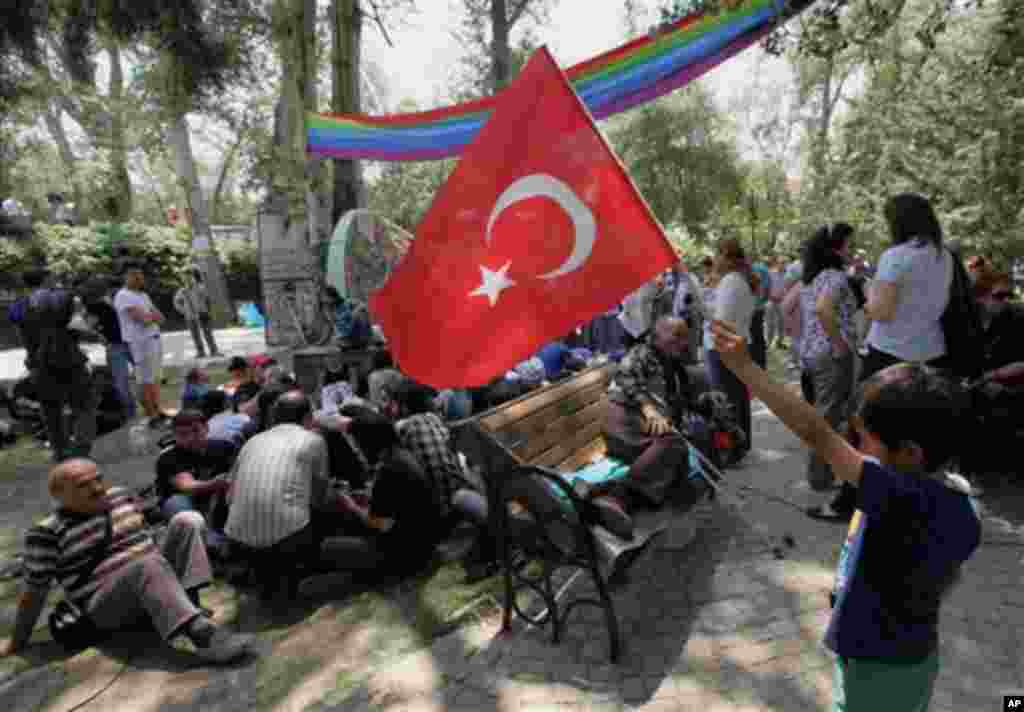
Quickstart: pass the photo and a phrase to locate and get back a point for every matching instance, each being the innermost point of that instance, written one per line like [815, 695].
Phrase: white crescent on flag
[540, 185]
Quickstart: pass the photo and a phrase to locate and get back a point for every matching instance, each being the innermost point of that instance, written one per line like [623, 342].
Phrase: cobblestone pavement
[720, 625]
[723, 624]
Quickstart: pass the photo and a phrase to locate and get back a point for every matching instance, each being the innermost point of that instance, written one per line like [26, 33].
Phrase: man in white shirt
[280, 476]
[140, 329]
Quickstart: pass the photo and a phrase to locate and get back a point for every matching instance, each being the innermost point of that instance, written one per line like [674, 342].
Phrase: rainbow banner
[635, 73]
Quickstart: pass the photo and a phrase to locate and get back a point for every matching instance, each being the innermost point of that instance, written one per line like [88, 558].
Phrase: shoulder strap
[100, 554]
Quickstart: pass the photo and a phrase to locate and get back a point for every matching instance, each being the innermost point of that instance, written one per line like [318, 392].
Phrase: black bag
[961, 325]
[69, 624]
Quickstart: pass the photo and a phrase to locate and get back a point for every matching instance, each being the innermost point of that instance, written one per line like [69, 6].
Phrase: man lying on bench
[640, 432]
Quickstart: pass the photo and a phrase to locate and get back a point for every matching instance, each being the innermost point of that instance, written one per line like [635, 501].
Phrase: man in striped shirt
[133, 580]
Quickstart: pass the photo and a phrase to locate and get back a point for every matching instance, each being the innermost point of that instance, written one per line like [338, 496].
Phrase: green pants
[871, 685]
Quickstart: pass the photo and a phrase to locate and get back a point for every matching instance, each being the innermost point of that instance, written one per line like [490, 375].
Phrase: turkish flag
[538, 229]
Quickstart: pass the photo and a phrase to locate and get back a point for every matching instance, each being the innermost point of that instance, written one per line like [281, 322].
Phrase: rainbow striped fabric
[637, 72]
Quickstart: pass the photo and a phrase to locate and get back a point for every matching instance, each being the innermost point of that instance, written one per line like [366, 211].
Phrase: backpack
[961, 325]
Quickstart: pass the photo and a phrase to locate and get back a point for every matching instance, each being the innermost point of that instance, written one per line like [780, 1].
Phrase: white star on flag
[494, 283]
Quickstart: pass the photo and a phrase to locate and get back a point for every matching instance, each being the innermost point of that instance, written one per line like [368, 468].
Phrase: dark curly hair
[821, 252]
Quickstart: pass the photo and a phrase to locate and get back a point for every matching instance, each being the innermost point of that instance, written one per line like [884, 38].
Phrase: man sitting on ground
[647, 398]
[258, 368]
[422, 432]
[279, 477]
[135, 580]
[273, 377]
[239, 377]
[192, 472]
[222, 423]
[402, 523]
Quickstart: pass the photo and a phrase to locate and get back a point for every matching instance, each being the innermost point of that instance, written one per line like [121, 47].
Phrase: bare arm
[381, 524]
[882, 300]
[30, 606]
[825, 310]
[185, 483]
[792, 299]
[799, 416]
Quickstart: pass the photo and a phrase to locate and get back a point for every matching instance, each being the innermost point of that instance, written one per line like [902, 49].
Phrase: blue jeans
[183, 503]
[119, 356]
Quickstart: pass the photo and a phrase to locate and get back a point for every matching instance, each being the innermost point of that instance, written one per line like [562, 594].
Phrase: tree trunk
[121, 183]
[290, 220]
[347, 29]
[52, 117]
[222, 178]
[203, 253]
[501, 54]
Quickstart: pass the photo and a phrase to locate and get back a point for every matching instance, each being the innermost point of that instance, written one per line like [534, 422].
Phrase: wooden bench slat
[565, 449]
[562, 428]
[522, 436]
[508, 413]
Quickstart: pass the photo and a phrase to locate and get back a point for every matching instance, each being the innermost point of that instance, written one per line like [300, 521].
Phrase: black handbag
[961, 325]
[70, 625]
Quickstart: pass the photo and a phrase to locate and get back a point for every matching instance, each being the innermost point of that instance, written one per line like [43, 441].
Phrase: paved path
[720, 625]
[178, 350]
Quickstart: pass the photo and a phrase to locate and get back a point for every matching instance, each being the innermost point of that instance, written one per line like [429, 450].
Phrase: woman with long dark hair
[905, 301]
[911, 289]
[827, 339]
[732, 301]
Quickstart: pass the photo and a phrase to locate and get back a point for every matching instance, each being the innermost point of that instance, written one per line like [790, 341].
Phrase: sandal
[825, 513]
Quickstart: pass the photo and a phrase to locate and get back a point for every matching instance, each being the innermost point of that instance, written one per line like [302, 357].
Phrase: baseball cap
[261, 361]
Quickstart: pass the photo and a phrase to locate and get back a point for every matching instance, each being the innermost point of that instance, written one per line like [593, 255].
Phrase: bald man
[134, 579]
[647, 398]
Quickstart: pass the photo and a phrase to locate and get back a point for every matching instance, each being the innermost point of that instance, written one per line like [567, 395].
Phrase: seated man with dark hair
[280, 476]
[192, 472]
[422, 432]
[239, 379]
[402, 523]
[135, 579]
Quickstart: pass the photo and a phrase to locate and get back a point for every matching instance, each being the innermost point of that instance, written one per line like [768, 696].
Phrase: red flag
[538, 229]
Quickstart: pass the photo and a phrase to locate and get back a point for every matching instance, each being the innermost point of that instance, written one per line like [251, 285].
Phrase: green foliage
[681, 155]
[241, 264]
[16, 256]
[76, 252]
[403, 191]
[941, 114]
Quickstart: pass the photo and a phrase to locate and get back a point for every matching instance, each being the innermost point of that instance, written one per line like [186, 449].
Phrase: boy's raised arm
[799, 416]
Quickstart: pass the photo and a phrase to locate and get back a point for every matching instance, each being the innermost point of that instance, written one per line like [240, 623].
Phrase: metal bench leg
[610, 619]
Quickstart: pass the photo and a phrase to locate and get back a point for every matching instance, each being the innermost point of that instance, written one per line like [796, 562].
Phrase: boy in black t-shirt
[913, 529]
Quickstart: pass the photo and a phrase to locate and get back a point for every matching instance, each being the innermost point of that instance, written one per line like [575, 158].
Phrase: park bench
[525, 452]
